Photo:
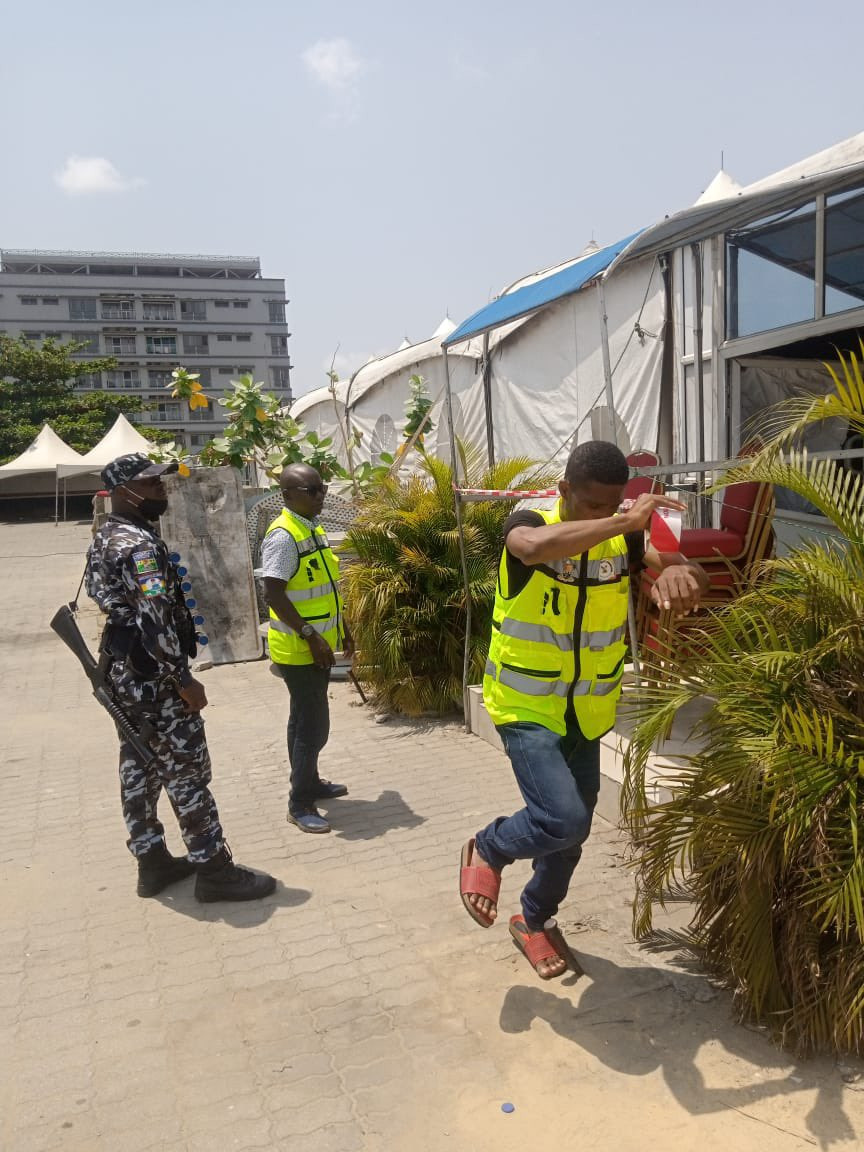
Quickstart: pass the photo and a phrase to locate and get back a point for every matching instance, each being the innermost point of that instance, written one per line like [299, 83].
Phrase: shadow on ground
[368, 819]
[638, 1020]
[246, 914]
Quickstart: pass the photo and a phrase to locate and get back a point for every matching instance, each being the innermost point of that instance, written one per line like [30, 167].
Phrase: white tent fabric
[120, 439]
[378, 392]
[547, 375]
[322, 411]
[45, 453]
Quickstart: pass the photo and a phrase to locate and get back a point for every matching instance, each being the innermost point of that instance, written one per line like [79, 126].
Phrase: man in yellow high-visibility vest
[307, 628]
[553, 679]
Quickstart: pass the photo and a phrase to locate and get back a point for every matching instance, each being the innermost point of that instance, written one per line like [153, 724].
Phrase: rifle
[65, 625]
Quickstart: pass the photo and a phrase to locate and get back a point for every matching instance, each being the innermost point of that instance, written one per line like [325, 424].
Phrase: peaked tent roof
[43, 455]
[120, 439]
[322, 395]
[721, 188]
[533, 296]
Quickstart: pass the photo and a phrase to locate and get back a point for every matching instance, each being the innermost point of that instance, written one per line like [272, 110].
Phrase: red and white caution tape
[476, 494]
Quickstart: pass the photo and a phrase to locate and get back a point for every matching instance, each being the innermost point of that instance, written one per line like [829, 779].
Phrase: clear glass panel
[844, 252]
[771, 272]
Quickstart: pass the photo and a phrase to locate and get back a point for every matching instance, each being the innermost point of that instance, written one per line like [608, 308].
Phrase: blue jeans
[308, 728]
[559, 778]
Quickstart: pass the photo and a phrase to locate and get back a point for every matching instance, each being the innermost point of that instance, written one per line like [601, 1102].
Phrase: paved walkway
[358, 1008]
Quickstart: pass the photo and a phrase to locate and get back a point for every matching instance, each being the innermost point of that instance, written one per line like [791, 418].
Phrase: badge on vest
[152, 585]
[607, 570]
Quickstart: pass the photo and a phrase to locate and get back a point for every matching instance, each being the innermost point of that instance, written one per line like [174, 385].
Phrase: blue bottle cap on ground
[197, 619]
[202, 639]
[508, 1107]
[181, 571]
[191, 602]
[174, 557]
[186, 586]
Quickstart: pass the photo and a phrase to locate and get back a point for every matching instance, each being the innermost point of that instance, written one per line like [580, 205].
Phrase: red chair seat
[706, 543]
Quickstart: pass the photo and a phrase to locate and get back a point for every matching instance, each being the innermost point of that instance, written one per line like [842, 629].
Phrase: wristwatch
[307, 631]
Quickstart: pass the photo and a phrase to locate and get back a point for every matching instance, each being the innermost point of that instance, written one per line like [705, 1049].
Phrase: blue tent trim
[533, 297]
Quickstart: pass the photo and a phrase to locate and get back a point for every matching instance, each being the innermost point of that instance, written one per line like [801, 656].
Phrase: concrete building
[215, 315]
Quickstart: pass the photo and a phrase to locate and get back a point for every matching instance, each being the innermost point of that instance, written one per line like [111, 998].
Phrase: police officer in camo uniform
[150, 636]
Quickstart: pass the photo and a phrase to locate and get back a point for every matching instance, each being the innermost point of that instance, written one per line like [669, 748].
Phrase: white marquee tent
[120, 439]
[44, 454]
[322, 411]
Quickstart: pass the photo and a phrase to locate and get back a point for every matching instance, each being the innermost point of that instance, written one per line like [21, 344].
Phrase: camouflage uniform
[150, 636]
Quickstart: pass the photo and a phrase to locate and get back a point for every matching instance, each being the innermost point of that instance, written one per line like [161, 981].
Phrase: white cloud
[334, 65]
[84, 175]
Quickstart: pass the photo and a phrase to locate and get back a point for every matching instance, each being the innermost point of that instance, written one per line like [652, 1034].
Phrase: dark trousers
[308, 728]
[559, 778]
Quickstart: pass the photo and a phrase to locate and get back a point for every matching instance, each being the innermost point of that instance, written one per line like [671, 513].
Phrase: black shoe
[328, 791]
[158, 868]
[308, 820]
[222, 879]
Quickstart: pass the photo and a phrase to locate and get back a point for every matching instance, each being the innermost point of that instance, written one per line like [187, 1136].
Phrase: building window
[280, 378]
[53, 335]
[158, 378]
[118, 309]
[193, 309]
[124, 378]
[89, 382]
[277, 312]
[223, 337]
[90, 340]
[221, 303]
[243, 337]
[161, 345]
[226, 371]
[771, 270]
[202, 413]
[278, 345]
[52, 300]
[239, 303]
[195, 345]
[198, 439]
[82, 308]
[29, 299]
[158, 309]
[120, 345]
[844, 252]
[33, 337]
[245, 370]
[166, 412]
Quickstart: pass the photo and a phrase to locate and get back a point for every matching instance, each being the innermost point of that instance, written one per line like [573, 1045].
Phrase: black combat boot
[221, 879]
[158, 868]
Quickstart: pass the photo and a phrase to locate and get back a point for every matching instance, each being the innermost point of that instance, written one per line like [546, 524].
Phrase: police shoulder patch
[151, 585]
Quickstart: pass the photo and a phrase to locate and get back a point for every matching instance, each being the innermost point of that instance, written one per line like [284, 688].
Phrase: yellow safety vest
[314, 592]
[559, 644]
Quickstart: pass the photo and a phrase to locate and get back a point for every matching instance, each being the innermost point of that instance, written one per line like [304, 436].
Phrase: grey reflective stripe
[604, 687]
[535, 686]
[311, 544]
[597, 641]
[319, 625]
[543, 634]
[536, 633]
[313, 593]
[605, 569]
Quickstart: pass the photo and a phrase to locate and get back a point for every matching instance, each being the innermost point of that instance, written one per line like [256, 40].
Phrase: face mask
[149, 508]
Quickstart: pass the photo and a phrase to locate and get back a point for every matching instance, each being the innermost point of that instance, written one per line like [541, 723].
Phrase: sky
[396, 162]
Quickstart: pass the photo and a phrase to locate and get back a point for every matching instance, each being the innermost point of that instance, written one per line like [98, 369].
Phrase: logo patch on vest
[607, 570]
[152, 585]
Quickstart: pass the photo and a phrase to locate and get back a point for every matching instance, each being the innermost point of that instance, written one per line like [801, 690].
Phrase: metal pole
[487, 401]
[607, 361]
[64, 499]
[610, 401]
[696, 249]
[460, 531]
[56, 497]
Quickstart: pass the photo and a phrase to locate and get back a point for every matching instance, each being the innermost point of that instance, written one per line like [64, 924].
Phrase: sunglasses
[311, 489]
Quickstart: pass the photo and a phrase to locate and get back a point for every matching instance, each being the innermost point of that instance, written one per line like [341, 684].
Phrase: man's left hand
[677, 589]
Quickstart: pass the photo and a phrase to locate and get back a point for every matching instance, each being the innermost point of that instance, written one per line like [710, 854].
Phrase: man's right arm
[551, 542]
